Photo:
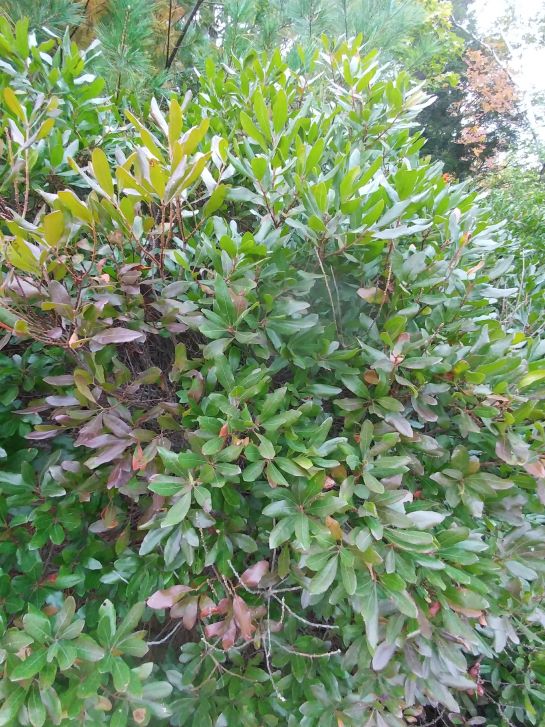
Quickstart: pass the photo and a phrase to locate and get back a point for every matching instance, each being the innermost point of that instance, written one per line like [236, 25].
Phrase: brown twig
[185, 29]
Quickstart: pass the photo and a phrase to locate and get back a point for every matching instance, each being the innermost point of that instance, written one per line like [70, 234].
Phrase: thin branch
[187, 25]
[168, 31]
[167, 637]
[313, 625]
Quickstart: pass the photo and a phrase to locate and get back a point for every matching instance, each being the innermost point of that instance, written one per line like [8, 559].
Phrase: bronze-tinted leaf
[167, 597]
[253, 575]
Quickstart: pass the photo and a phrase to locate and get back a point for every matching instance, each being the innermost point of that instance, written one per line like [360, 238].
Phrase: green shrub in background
[282, 412]
[517, 195]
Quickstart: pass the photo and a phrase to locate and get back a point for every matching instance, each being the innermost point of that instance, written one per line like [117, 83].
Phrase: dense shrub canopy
[274, 401]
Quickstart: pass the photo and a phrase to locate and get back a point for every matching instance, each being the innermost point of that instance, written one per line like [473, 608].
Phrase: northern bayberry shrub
[288, 414]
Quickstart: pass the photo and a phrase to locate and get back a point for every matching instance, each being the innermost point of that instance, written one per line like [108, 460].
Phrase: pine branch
[187, 25]
[83, 19]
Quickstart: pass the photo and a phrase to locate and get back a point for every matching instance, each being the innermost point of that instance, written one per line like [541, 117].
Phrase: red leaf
[329, 483]
[62, 400]
[116, 335]
[243, 618]
[108, 454]
[187, 611]
[208, 608]
[253, 575]
[537, 469]
[230, 635]
[400, 423]
[138, 460]
[215, 629]
[38, 435]
[120, 474]
[167, 597]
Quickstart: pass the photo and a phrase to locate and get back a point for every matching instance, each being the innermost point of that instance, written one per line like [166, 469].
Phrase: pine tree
[54, 15]
[127, 36]
[387, 24]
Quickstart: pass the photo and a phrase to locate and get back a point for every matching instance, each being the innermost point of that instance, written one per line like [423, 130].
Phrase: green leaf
[26, 669]
[64, 616]
[323, 580]
[532, 378]
[52, 704]
[121, 674]
[369, 610]
[36, 710]
[521, 570]
[251, 129]
[272, 403]
[10, 708]
[130, 622]
[213, 446]
[410, 539]
[88, 649]
[280, 110]
[348, 577]
[75, 206]
[38, 626]
[224, 304]
[266, 448]
[281, 532]
[252, 472]
[262, 114]
[178, 511]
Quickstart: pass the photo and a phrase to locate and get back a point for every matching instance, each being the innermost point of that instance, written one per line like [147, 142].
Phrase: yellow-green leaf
[53, 224]
[175, 121]
[20, 255]
[76, 206]
[532, 377]
[101, 169]
[251, 129]
[147, 138]
[13, 104]
[45, 128]
[82, 380]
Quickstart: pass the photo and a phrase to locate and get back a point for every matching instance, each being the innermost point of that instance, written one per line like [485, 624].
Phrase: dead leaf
[167, 597]
[243, 617]
[371, 377]
[253, 575]
[334, 527]
[373, 295]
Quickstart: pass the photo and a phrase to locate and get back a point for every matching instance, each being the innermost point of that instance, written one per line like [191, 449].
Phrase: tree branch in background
[187, 25]
[168, 31]
[84, 18]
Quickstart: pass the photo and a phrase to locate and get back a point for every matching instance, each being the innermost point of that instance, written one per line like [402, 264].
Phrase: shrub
[288, 419]
[516, 195]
